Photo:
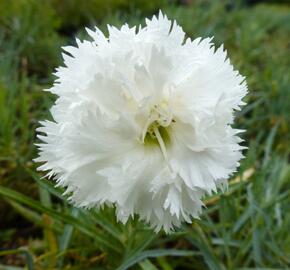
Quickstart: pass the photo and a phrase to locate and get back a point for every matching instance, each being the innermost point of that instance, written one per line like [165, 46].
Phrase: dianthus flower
[142, 122]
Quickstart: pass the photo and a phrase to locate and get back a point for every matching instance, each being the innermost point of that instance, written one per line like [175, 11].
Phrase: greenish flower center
[157, 128]
[150, 137]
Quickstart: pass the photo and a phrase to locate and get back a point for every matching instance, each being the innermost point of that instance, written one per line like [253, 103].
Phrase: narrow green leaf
[92, 232]
[28, 214]
[242, 220]
[154, 254]
[143, 244]
[45, 197]
[67, 233]
[8, 267]
[164, 264]
[147, 265]
[66, 237]
[199, 240]
[25, 252]
[269, 144]
[255, 216]
[102, 221]
[259, 268]
[46, 184]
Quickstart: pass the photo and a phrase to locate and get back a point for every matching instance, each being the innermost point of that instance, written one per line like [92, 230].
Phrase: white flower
[143, 122]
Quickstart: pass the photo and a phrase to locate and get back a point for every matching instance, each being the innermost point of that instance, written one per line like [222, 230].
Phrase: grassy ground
[246, 228]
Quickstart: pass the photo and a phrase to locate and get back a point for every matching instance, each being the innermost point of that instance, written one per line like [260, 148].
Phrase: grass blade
[154, 254]
[88, 230]
[147, 265]
[25, 252]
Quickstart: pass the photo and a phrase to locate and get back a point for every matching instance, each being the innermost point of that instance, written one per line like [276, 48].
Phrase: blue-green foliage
[246, 228]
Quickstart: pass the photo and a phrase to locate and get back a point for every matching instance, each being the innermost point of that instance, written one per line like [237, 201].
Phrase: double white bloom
[142, 122]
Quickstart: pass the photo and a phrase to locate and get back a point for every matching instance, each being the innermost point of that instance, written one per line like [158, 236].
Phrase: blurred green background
[248, 227]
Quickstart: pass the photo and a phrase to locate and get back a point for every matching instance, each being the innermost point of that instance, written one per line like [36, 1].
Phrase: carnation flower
[142, 122]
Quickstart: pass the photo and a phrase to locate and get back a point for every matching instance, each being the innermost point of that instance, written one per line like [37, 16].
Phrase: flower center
[156, 129]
